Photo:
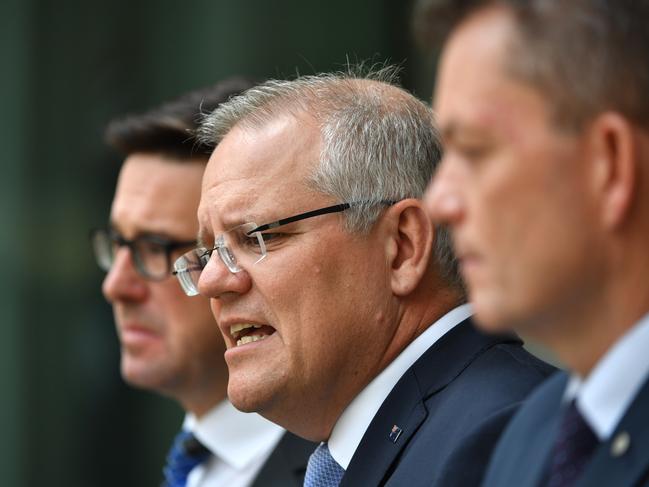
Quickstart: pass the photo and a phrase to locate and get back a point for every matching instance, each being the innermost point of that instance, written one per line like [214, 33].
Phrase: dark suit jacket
[522, 455]
[287, 464]
[438, 426]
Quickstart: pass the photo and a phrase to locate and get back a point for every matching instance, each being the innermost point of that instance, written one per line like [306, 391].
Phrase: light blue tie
[185, 454]
[322, 470]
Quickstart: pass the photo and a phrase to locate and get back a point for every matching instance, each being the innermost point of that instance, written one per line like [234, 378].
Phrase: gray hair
[379, 143]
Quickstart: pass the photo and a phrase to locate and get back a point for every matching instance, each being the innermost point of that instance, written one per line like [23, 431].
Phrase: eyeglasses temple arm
[301, 216]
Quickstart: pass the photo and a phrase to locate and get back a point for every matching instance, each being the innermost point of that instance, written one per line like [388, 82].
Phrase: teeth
[235, 329]
[239, 327]
[250, 338]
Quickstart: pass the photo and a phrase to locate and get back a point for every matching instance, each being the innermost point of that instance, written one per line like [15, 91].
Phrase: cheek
[179, 310]
[318, 291]
[495, 203]
[197, 335]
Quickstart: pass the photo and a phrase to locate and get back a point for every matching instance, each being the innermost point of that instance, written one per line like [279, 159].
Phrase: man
[543, 109]
[169, 343]
[339, 303]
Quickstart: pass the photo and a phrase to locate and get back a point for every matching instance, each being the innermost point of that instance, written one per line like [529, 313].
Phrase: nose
[123, 283]
[216, 281]
[443, 199]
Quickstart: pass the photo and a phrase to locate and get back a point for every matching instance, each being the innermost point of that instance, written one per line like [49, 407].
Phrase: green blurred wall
[68, 67]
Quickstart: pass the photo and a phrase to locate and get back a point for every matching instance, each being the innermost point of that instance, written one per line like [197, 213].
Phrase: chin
[137, 373]
[489, 315]
[249, 398]
[242, 399]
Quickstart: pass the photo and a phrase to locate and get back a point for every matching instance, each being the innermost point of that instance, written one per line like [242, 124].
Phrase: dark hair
[169, 129]
[586, 56]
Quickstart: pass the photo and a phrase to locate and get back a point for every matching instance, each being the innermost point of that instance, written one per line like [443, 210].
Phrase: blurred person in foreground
[544, 113]
[340, 305]
[170, 344]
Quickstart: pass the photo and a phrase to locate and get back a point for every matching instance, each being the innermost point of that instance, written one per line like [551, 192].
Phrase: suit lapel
[537, 451]
[403, 411]
[382, 443]
[613, 464]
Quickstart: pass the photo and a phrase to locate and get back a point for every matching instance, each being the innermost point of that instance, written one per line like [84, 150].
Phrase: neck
[200, 408]
[580, 338]
[200, 400]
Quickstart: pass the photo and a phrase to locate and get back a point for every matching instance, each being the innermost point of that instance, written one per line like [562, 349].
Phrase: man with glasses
[339, 302]
[170, 343]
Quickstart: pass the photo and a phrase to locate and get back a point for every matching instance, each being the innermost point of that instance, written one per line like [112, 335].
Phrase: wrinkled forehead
[259, 172]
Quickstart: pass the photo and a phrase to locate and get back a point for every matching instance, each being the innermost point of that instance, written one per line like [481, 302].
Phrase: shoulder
[471, 385]
[467, 364]
[545, 400]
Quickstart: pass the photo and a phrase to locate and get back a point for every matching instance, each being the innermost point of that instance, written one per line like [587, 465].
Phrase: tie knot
[193, 447]
[185, 454]
[322, 470]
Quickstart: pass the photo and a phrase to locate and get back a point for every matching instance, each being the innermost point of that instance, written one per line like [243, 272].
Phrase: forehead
[475, 87]
[156, 194]
[260, 171]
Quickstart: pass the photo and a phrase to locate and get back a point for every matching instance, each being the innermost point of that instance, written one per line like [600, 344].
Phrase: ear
[613, 152]
[410, 245]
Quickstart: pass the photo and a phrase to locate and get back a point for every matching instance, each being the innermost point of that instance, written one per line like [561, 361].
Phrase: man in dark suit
[170, 344]
[339, 302]
[544, 112]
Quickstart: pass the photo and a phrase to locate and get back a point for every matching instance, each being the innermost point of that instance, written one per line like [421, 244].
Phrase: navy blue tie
[185, 454]
[573, 448]
[322, 470]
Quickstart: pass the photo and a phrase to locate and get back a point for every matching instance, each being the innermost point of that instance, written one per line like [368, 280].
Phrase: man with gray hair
[338, 300]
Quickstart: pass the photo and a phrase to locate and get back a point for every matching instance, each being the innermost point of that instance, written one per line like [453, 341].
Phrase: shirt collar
[606, 394]
[235, 437]
[356, 418]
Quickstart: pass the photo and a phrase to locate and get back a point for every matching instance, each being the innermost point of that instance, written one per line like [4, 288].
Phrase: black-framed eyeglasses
[151, 253]
[243, 246]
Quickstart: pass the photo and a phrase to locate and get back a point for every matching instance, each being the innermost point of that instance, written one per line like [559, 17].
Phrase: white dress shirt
[606, 394]
[241, 444]
[356, 418]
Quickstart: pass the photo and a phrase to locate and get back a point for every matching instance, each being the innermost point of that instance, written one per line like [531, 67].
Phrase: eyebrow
[228, 222]
[454, 130]
[113, 226]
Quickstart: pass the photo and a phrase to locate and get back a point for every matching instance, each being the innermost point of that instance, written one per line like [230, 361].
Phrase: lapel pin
[620, 444]
[395, 433]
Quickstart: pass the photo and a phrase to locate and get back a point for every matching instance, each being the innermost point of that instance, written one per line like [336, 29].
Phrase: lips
[244, 333]
[138, 336]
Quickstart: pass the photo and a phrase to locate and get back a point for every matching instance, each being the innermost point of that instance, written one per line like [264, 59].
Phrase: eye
[156, 249]
[249, 240]
[148, 248]
[269, 237]
[204, 256]
[272, 239]
[472, 152]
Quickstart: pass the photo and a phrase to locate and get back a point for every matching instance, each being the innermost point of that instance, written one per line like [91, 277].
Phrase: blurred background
[66, 417]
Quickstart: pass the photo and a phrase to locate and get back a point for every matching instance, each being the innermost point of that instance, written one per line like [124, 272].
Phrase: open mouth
[243, 333]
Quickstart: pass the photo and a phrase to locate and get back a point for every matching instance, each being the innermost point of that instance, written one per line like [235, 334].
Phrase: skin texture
[332, 334]
[541, 217]
[170, 343]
